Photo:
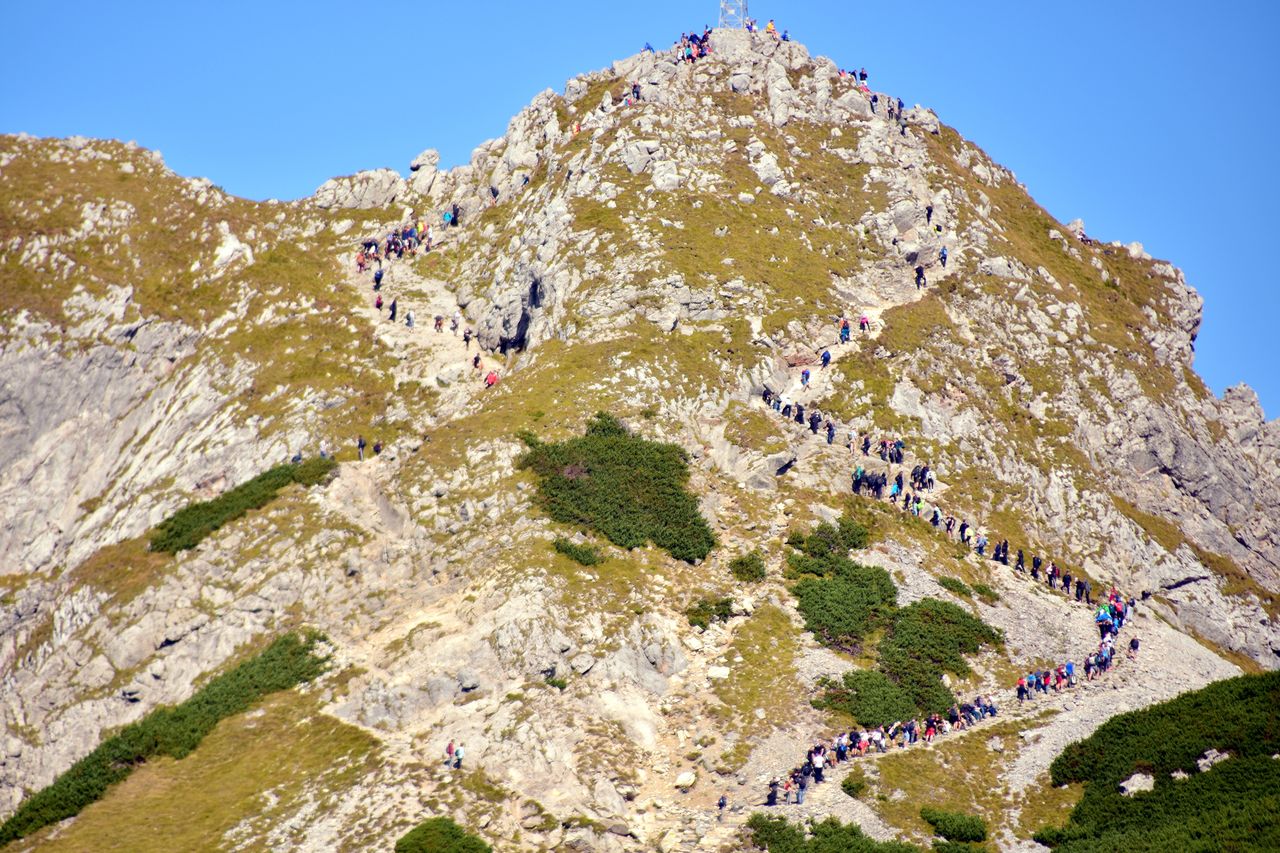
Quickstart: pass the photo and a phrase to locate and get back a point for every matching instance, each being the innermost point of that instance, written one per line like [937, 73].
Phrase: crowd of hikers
[375, 255]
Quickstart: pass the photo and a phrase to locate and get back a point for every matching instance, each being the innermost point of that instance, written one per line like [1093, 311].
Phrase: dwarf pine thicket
[954, 826]
[628, 488]
[1233, 805]
[778, 835]
[187, 527]
[843, 602]
[287, 662]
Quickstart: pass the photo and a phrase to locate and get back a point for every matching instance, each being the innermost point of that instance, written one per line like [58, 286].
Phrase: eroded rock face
[361, 191]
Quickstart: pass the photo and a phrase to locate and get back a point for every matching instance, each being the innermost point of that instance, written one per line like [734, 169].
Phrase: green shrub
[1233, 806]
[175, 732]
[776, 835]
[582, 554]
[954, 826]
[842, 602]
[986, 593]
[557, 682]
[845, 604]
[870, 697]
[190, 525]
[748, 567]
[855, 784]
[708, 610]
[440, 835]
[629, 489]
[956, 586]
[957, 847]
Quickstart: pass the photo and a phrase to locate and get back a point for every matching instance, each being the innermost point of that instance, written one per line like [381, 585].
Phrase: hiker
[844, 330]
[466, 339]
[448, 754]
[360, 446]
[772, 798]
[1133, 648]
[875, 99]
[377, 447]
[901, 105]
[408, 318]
[826, 358]
[455, 322]
[377, 280]
[864, 323]
[392, 318]
[377, 303]
[491, 379]
[866, 444]
[804, 378]
[635, 92]
[439, 322]
[475, 362]
[942, 256]
[720, 805]
[920, 280]
[928, 214]
[457, 758]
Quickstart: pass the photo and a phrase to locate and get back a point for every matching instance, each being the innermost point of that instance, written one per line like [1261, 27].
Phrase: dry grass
[252, 768]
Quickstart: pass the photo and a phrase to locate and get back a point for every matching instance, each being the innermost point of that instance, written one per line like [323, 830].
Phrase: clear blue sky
[1154, 121]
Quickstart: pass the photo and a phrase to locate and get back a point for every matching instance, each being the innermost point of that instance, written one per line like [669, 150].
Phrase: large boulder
[363, 190]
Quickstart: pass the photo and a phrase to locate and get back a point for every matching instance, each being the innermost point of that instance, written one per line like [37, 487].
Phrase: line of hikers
[398, 242]
[1110, 618]
[845, 746]
[906, 489]
[792, 787]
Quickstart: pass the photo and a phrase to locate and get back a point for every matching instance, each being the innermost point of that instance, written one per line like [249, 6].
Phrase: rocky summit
[678, 245]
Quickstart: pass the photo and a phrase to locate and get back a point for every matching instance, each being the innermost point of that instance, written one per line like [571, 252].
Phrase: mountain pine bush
[440, 835]
[776, 834]
[629, 489]
[1235, 805]
[748, 567]
[954, 826]
[175, 732]
[189, 526]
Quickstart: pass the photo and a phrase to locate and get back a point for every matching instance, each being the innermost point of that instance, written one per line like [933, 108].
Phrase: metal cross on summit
[733, 14]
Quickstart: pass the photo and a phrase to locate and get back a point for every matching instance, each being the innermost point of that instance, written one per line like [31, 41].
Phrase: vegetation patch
[440, 835]
[583, 555]
[955, 826]
[855, 784]
[708, 610]
[188, 527]
[173, 732]
[843, 602]
[776, 834]
[1234, 805]
[956, 586]
[986, 593]
[627, 488]
[748, 567]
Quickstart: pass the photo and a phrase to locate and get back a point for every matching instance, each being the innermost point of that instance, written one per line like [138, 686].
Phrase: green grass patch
[1235, 805]
[440, 835]
[583, 555]
[748, 567]
[956, 586]
[173, 732]
[627, 488]
[188, 527]
[986, 593]
[955, 826]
